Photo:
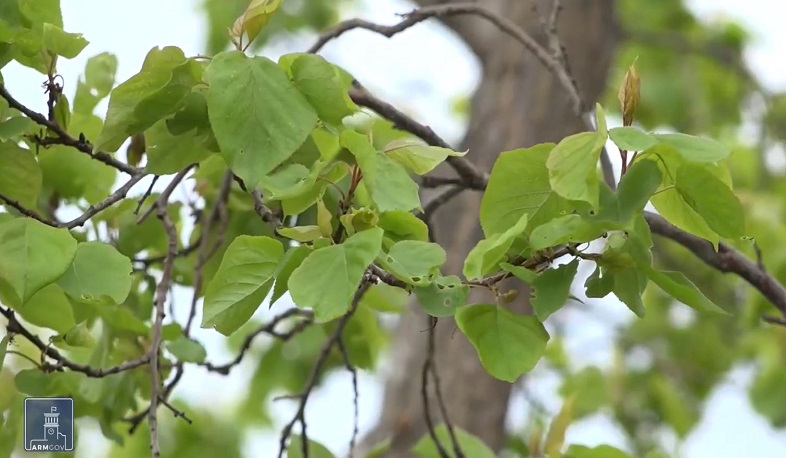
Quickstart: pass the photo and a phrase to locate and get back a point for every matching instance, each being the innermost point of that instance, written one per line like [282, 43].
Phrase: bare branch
[64, 138]
[300, 415]
[504, 24]
[16, 327]
[270, 329]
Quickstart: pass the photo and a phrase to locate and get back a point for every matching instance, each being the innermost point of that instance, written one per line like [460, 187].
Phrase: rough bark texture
[517, 104]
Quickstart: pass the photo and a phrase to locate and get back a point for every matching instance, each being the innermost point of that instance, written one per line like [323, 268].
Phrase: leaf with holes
[443, 296]
[413, 262]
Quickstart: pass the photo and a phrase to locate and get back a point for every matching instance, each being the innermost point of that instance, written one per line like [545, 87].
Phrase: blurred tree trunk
[518, 103]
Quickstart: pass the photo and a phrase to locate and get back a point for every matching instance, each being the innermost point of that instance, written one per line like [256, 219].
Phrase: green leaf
[402, 225]
[443, 296]
[414, 262]
[628, 285]
[187, 350]
[385, 298]
[98, 81]
[241, 283]
[3, 348]
[572, 166]
[636, 188]
[61, 43]
[470, 445]
[519, 184]
[49, 308]
[508, 344]
[120, 317]
[363, 338]
[328, 278]
[315, 449]
[98, 273]
[73, 174]
[487, 254]
[258, 116]
[712, 200]
[669, 202]
[695, 149]
[601, 451]
[551, 289]
[631, 138]
[682, 289]
[33, 255]
[389, 184]
[291, 260]
[555, 438]
[78, 336]
[15, 126]
[158, 90]
[320, 82]
[21, 177]
[301, 234]
[419, 157]
[168, 153]
[569, 228]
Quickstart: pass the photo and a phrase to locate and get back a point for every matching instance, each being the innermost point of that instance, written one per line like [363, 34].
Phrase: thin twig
[64, 138]
[270, 329]
[315, 370]
[424, 375]
[355, 395]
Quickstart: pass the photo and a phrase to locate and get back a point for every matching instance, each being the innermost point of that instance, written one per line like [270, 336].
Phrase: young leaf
[682, 289]
[259, 118]
[695, 149]
[508, 344]
[519, 184]
[98, 273]
[487, 254]
[556, 435]
[712, 200]
[241, 283]
[572, 166]
[631, 138]
[253, 20]
[328, 278]
[418, 157]
[389, 184]
[33, 255]
[414, 262]
[443, 296]
[470, 445]
[636, 188]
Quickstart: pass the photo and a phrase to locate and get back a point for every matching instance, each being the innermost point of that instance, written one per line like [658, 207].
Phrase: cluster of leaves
[319, 204]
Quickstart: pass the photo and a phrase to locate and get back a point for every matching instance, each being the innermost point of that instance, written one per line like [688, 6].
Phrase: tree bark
[518, 104]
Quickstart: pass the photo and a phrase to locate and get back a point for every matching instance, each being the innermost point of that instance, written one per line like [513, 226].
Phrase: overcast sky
[422, 70]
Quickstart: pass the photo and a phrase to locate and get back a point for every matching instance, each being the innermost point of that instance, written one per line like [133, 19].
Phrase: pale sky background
[421, 70]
